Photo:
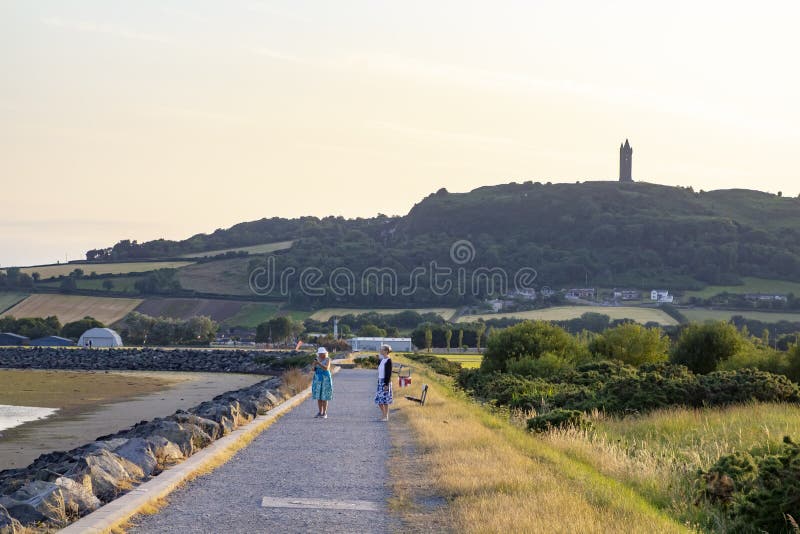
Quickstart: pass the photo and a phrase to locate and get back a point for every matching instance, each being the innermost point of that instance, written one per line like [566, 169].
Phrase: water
[11, 416]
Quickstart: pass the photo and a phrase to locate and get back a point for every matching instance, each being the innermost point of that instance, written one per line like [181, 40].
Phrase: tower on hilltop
[625, 161]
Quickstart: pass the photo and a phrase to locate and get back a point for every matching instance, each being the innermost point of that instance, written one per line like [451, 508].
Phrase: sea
[11, 416]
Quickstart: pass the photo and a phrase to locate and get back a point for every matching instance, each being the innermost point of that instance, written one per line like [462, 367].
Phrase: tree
[479, 333]
[460, 338]
[701, 347]
[631, 343]
[75, 329]
[68, 284]
[428, 339]
[370, 330]
[448, 335]
[527, 339]
[276, 329]
[108, 284]
[36, 276]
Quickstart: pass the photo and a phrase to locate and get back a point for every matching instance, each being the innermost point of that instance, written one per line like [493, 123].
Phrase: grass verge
[498, 478]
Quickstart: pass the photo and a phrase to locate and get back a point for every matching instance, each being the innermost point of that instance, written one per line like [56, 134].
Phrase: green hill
[604, 233]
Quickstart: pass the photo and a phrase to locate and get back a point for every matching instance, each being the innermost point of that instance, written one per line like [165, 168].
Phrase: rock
[36, 502]
[141, 453]
[110, 475]
[188, 437]
[166, 452]
[212, 428]
[8, 525]
[78, 498]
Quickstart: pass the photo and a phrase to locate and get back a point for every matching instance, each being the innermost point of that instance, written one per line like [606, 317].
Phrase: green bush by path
[559, 418]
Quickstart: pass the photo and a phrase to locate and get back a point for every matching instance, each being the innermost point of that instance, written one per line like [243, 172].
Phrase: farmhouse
[661, 295]
[586, 293]
[627, 294]
[374, 343]
[8, 339]
[100, 337]
[52, 341]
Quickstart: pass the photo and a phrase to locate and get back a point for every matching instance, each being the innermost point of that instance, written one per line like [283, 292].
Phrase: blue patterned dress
[384, 396]
[322, 385]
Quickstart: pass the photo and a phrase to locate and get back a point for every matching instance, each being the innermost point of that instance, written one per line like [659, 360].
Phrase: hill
[603, 234]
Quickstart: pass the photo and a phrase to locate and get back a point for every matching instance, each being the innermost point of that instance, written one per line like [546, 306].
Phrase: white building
[100, 337]
[661, 295]
[398, 344]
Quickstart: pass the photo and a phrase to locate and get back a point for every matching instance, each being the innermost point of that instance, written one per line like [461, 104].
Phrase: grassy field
[251, 314]
[123, 284]
[497, 478]
[8, 300]
[224, 277]
[254, 249]
[49, 271]
[326, 313]
[467, 361]
[561, 313]
[702, 314]
[658, 454]
[73, 307]
[751, 285]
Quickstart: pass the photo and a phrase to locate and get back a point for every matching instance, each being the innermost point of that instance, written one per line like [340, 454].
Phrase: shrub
[528, 340]
[764, 488]
[547, 365]
[367, 362]
[702, 346]
[558, 418]
[631, 343]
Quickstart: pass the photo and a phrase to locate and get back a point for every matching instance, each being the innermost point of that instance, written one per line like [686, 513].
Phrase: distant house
[766, 296]
[100, 337]
[661, 295]
[529, 294]
[52, 341]
[9, 339]
[585, 293]
[627, 294]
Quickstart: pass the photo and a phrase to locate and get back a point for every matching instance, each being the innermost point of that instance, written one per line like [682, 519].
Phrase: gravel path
[342, 458]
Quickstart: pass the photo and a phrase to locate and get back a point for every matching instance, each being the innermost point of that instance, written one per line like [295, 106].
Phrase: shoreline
[153, 394]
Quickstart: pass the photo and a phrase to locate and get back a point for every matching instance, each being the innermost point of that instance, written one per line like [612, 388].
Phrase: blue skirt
[383, 396]
[322, 386]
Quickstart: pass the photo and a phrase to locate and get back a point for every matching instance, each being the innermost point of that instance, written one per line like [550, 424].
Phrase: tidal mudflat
[65, 409]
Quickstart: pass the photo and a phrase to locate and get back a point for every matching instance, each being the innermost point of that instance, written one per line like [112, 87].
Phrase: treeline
[141, 329]
[36, 327]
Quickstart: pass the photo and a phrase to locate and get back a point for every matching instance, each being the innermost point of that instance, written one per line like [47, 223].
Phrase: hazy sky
[148, 119]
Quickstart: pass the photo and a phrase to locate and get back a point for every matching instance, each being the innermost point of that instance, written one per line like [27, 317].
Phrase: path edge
[120, 510]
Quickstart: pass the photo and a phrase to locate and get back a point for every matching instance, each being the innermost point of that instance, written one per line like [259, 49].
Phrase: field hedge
[618, 389]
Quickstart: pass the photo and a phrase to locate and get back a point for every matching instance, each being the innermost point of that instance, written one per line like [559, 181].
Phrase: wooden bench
[422, 397]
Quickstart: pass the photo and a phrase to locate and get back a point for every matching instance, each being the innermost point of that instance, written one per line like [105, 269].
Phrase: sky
[147, 119]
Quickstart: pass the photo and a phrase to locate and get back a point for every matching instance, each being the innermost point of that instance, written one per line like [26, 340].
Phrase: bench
[422, 397]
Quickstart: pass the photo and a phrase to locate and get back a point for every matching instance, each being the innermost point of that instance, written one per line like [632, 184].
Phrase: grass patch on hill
[326, 313]
[123, 284]
[467, 360]
[74, 307]
[498, 478]
[565, 313]
[750, 285]
[222, 277]
[699, 315]
[8, 300]
[264, 248]
[50, 271]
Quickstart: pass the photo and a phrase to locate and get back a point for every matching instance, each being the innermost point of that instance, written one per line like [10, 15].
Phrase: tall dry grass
[498, 478]
[659, 454]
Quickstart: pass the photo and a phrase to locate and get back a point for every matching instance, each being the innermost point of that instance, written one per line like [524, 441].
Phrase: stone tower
[625, 161]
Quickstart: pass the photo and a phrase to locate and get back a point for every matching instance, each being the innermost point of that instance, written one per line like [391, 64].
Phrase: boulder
[188, 437]
[8, 525]
[166, 452]
[212, 428]
[141, 453]
[78, 497]
[36, 502]
[110, 475]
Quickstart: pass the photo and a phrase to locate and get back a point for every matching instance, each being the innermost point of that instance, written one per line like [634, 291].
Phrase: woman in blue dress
[383, 395]
[322, 385]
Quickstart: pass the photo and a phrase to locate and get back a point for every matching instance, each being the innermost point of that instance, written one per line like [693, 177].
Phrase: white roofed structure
[100, 337]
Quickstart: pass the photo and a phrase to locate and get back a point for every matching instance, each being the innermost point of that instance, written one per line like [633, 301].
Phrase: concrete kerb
[116, 512]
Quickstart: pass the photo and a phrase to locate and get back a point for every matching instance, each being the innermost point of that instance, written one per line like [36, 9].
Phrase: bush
[702, 346]
[547, 365]
[367, 362]
[558, 418]
[528, 340]
[759, 489]
[631, 343]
